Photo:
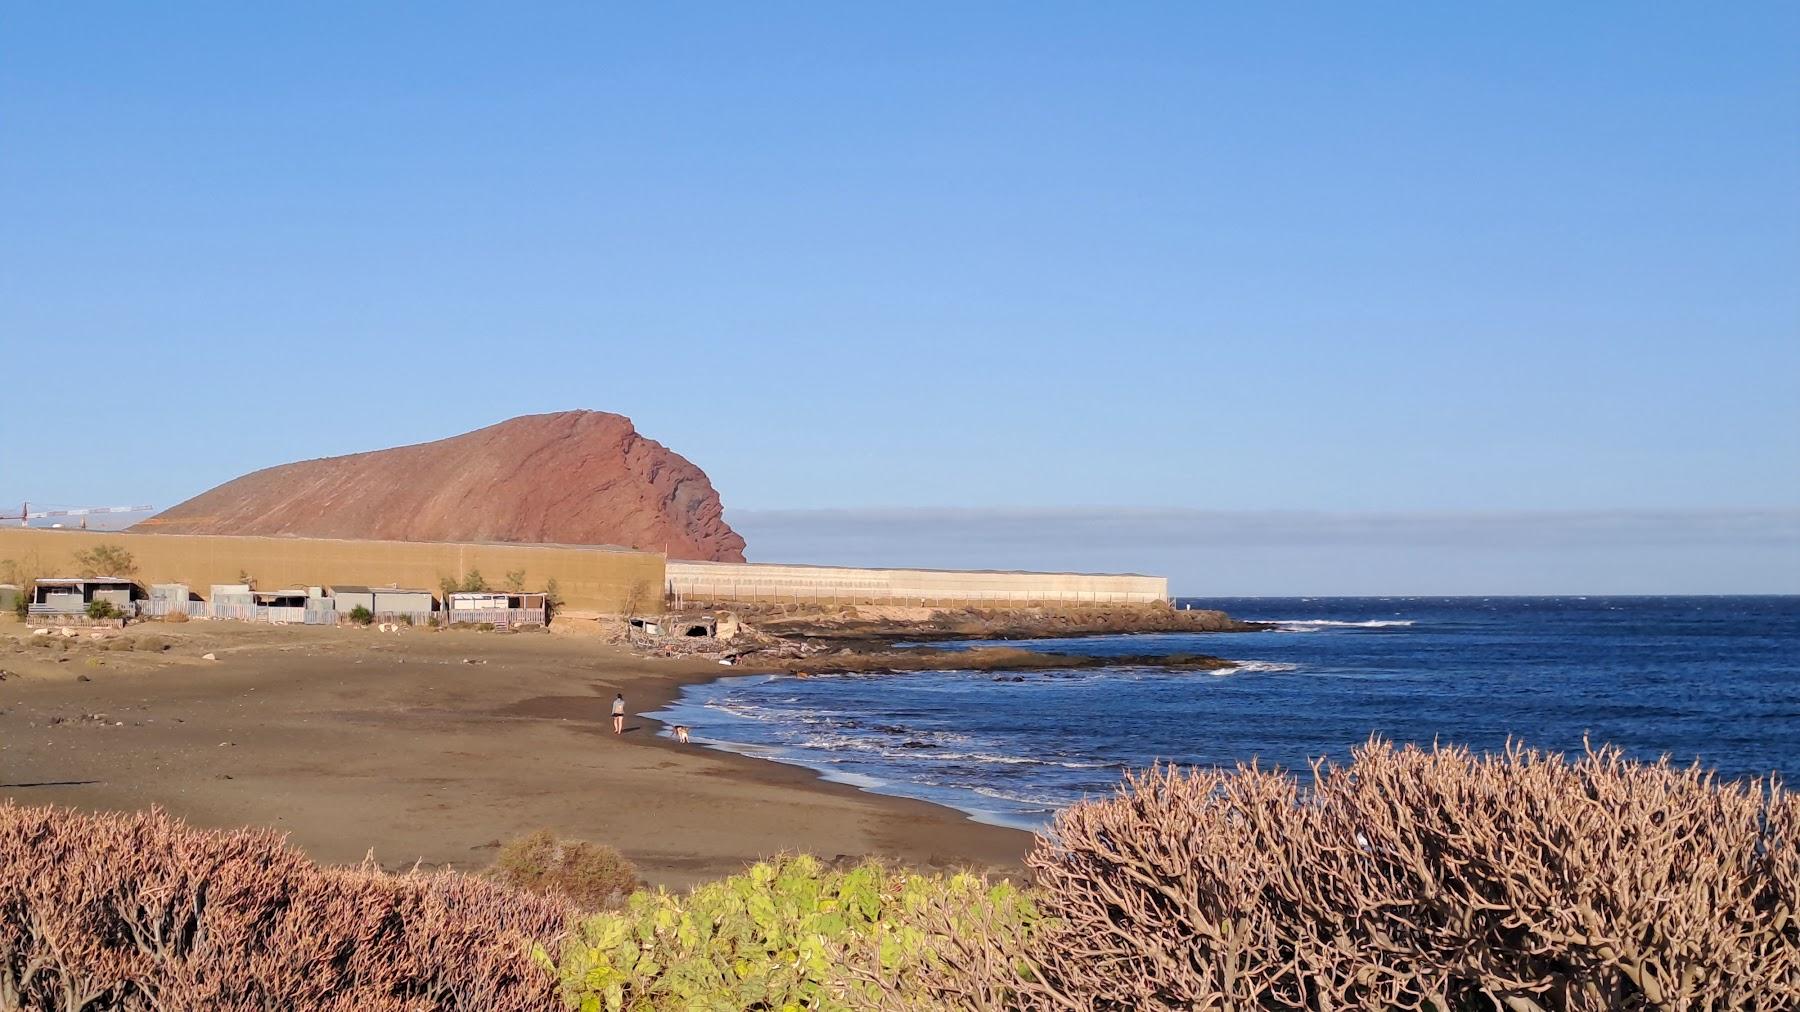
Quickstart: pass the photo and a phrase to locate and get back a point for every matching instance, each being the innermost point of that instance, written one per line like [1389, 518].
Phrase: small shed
[401, 603]
[168, 599]
[385, 604]
[232, 600]
[9, 597]
[285, 605]
[72, 595]
[496, 607]
[349, 597]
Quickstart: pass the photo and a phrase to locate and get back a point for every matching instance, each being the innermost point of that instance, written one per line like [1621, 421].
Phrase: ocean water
[1715, 679]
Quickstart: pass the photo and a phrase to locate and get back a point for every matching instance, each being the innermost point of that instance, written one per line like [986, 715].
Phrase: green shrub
[787, 934]
[102, 609]
[361, 615]
[593, 875]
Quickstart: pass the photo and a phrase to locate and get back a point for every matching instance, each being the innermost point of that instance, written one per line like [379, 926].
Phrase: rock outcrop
[574, 477]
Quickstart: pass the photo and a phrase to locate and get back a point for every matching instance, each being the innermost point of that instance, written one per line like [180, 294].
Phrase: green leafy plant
[102, 609]
[361, 615]
[787, 934]
[515, 581]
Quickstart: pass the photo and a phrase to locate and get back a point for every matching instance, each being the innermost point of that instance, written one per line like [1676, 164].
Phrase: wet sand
[431, 747]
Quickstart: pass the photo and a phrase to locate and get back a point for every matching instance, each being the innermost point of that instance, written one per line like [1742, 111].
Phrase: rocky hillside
[574, 477]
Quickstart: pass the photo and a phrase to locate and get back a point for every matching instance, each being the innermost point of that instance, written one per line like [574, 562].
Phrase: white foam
[1045, 804]
[1254, 667]
[1316, 624]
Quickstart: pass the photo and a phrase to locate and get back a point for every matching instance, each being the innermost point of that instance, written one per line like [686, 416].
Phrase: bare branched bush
[138, 912]
[1407, 879]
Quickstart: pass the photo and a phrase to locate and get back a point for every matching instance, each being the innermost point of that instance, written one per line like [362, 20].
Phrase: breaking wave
[1254, 667]
[1316, 624]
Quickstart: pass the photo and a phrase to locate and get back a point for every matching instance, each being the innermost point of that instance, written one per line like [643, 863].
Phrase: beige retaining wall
[753, 582]
[595, 580]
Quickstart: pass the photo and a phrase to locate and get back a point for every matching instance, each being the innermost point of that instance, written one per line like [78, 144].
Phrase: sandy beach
[428, 747]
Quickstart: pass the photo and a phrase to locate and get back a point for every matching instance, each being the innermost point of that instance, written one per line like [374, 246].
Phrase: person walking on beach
[619, 713]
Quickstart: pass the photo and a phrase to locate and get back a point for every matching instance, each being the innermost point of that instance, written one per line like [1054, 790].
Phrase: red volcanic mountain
[573, 478]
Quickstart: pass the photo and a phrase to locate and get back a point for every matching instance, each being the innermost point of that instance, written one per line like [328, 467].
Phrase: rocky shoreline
[891, 640]
[891, 625]
[983, 659]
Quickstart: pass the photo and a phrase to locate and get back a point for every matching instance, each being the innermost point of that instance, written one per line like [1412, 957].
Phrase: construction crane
[25, 515]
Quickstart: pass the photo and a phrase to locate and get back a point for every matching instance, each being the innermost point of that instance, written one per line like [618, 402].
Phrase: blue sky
[1529, 259]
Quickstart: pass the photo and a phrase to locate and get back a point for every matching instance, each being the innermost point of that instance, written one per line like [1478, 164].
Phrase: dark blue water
[1713, 678]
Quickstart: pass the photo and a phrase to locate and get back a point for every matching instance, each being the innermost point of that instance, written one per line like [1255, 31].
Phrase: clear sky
[1526, 260]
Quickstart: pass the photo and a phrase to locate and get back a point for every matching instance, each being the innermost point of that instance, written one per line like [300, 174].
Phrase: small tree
[474, 583]
[641, 594]
[515, 581]
[23, 574]
[552, 599]
[447, 585]
[105, 560]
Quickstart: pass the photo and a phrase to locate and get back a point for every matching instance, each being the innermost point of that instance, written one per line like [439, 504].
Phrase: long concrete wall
[755, 582]
[593, 580]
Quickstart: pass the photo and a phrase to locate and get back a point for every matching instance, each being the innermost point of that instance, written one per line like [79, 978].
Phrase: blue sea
[1714, 679]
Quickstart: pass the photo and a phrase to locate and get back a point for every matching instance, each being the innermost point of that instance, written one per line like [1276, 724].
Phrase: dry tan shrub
[137, 912]
[1407, 879]
[591, 875]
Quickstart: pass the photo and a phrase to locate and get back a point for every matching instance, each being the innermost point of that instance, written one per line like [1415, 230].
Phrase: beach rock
[209, 657]
[573, 477]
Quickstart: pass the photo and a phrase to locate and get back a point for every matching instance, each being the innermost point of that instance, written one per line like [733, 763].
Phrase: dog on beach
[681, 733]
